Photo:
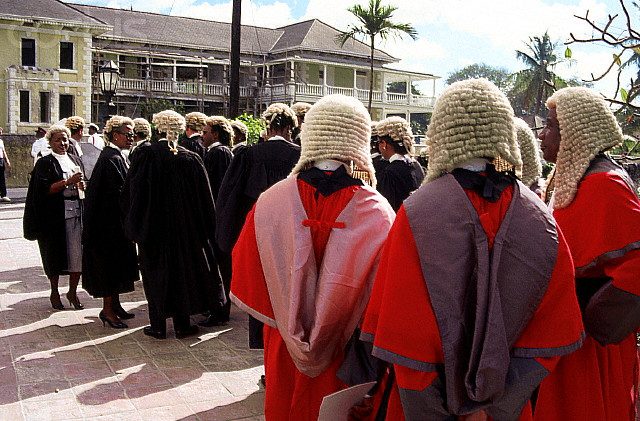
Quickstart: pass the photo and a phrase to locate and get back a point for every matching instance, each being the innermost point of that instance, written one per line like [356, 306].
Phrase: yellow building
[45, 65]
[53, 50]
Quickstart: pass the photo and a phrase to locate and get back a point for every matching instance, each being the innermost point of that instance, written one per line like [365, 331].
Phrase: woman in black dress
[110, 264]
[53, 214]
[403, 174]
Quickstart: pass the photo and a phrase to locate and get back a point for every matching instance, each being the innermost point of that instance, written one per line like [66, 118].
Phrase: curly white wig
[196, 121]
[374, 128]
[74, 123]
[170, 123]
[57, 129]
[529, 151]
[472, 119]
[279, 109]
[141, 126]
[301, 108]
[224, 124]
[114, 123]
[239, 125]
[398, 129]
[336, 127]
[587, 127]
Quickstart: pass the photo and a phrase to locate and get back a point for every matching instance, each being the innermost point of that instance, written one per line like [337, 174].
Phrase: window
[28, 52]
[66, 55]
[66, 106]
[45, 107]
[24, 106]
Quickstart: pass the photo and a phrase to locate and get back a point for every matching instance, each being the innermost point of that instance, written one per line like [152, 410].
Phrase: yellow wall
[46, 76]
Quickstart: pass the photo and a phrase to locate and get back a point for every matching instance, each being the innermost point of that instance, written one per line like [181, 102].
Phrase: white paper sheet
[336, 406]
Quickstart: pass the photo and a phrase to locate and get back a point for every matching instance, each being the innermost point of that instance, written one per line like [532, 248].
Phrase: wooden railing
[274, 92]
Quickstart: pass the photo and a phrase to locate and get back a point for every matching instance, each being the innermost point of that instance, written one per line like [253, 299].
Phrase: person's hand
[75, 178]
[361, 410]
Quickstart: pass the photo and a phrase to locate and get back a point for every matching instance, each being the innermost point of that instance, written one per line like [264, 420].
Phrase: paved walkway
[64, 365]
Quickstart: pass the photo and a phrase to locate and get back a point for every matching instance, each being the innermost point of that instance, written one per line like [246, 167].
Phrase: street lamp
[108, 76]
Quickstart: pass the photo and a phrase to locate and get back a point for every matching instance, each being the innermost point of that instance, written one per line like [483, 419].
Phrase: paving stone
[64, 365]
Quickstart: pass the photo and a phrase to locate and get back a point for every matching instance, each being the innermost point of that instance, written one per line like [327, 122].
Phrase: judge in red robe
[473, 275]
[595, 204]
[306, 258]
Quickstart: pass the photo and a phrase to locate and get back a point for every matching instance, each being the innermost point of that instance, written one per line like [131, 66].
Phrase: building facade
[55, 50]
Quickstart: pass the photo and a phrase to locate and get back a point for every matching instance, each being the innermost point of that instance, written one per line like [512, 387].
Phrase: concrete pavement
[64, 365]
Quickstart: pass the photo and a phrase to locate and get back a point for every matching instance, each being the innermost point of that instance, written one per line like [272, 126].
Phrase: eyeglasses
[128, 135]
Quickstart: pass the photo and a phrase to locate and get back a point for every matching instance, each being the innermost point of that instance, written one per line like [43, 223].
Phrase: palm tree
[538, 81]
[375, 21]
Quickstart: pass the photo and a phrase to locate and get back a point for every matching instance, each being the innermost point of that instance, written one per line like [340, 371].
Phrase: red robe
[290, 394]
[401, 320]
[602, 228]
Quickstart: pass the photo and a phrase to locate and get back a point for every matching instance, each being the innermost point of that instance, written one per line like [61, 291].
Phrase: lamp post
[108, 76]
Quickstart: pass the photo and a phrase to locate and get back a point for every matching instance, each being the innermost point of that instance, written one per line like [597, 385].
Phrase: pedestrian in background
[4, 164]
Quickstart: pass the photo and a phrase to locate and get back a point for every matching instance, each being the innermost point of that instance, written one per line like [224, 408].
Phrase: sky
[451, 33]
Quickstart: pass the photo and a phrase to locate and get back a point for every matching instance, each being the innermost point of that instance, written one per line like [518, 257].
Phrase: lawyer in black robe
[217, 137]
[168, 210]
[194, 144]
[402, 175]
[398, 179]
[110, 261]
[50, 189]
[252, 171]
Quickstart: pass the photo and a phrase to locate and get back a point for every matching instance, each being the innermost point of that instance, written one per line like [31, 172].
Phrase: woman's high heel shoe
[75, 303]
[56, 306]
[122, 314]
[115, 325]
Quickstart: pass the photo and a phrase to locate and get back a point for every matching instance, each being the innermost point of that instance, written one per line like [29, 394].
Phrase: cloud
[414, 55]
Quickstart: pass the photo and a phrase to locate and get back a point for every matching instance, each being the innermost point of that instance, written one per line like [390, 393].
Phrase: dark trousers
[159, 323]
[3, 183]
[224, 264]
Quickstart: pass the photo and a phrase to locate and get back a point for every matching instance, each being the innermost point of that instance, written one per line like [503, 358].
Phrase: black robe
[216, 162]
[253, 170]
[44, 218]
[398, 179]
[194, 144]
[168, 210]
[379, 164]
[109, 259]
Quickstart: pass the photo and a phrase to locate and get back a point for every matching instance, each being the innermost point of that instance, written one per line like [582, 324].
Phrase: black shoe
[191, 330]
[116, 325]
[122, 314]
[75, 303]
[56, 305]
[213, 321]
[158, 334]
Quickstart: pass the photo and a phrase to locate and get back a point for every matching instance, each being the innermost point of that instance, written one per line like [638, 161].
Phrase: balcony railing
[285, 92]
[363, 95]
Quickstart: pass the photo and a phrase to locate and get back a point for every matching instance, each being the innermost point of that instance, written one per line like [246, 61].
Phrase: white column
[384, 88]
[324, 80]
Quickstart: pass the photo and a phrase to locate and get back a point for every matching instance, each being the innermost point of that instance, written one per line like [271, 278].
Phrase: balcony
[127, 85]
[274, 93]
[310, 92]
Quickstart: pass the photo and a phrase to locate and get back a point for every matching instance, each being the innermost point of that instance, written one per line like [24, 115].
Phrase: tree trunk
[371, 76]
[536, 111]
